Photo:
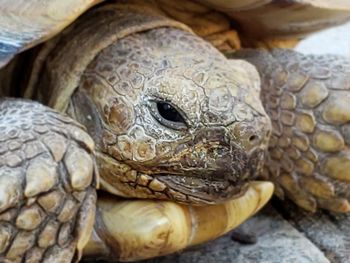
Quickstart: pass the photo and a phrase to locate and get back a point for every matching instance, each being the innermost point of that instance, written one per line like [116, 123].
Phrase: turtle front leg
[47, 184]
[308, 101]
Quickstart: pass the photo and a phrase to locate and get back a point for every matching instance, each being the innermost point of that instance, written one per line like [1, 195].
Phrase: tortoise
[171, 117]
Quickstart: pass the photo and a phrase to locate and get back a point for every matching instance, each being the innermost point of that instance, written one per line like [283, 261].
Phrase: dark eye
[167, 115]
[168, 112]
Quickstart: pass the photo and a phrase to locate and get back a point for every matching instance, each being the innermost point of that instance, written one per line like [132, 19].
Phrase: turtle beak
[210, 168]
[215, 154]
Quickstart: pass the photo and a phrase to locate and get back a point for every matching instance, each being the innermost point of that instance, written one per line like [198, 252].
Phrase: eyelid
[152, 105]
[161, 100]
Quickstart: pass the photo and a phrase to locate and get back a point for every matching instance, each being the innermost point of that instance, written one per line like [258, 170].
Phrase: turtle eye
[168, 112]
[167, 115]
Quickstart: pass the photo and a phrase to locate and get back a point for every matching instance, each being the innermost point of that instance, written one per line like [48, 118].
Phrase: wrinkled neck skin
[210, 155]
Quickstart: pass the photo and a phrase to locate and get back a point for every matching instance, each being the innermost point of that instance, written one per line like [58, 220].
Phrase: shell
[263, 19]
[24, 24]
[141, 229]
[255, 23]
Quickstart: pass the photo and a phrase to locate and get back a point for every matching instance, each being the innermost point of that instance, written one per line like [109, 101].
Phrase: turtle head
[173, 118]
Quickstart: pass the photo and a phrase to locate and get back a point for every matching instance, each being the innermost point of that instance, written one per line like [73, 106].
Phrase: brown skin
[203, 149]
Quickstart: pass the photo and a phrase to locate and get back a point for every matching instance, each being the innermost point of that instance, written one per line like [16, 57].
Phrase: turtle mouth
[219, 182]
[197, 190]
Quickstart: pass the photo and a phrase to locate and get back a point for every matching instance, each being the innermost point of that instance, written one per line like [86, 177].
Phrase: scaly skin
[47, 184]
[308, 100]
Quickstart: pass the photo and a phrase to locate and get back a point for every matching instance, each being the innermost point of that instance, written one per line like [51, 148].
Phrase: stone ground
[285, 233]
[335, 41]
